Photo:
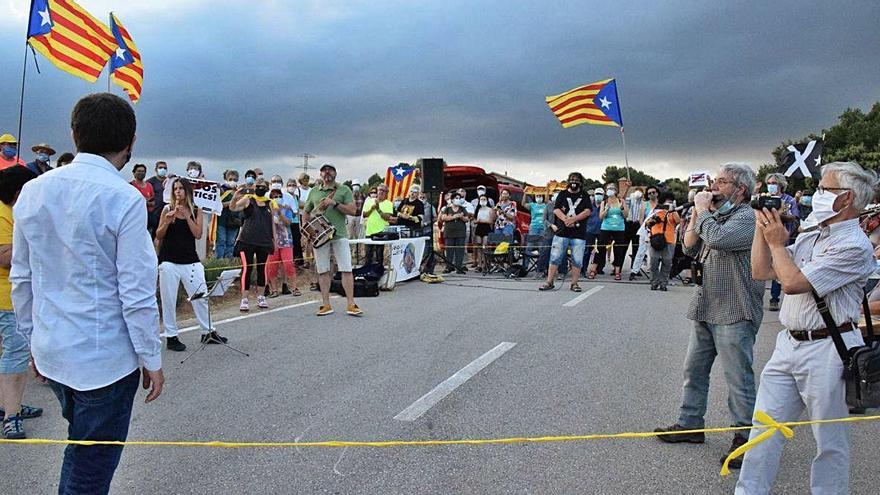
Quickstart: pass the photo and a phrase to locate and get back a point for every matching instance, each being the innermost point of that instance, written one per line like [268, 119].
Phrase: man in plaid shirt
[726, 308]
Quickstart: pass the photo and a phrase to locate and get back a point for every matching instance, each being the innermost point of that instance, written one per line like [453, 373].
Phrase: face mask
[162, 172]
[260, 191]
[459, 201]
[807, 200]
[291, 189]
[574, 187]
[599, 198]
[140, 175]
[193, 173]
[9, 151]
[483, 202]
[231, 183]
[249, 180]
[275, 186]
[773, 188]
[637, 195]
[481, 192]
[823, 206]
[539, 199]
[725, 208]
[43, 157]
[355, 188]
[612, 193]
[374, 195]
[652, 195]
[260, 176]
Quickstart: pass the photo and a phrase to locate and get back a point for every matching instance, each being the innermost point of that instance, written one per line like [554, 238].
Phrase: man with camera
[805, 370]
[726, 306]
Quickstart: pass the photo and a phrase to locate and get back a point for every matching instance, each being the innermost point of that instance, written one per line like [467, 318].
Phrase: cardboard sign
[699, 179]
[206, 194]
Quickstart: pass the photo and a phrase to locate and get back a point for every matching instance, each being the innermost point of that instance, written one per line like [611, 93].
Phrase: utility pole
[305, 166]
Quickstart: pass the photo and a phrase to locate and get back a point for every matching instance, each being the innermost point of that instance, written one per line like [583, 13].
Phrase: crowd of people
[127, 238]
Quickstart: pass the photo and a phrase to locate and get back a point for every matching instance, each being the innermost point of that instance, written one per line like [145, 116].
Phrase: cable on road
[769, 425]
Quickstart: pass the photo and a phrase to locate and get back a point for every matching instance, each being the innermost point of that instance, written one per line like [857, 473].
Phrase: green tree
[639, 178]
[678, 187]
[373, 181]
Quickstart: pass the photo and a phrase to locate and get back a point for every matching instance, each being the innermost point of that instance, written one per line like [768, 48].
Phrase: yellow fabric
[773, 426]
[5, 238]
[502, 248]
[375, 222]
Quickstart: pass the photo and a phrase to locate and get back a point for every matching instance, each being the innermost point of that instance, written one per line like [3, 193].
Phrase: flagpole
[110, 62]
[625, 157]
[23, 79]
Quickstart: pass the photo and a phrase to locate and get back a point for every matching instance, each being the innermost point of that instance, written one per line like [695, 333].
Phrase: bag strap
[868, 320]
[825, 311]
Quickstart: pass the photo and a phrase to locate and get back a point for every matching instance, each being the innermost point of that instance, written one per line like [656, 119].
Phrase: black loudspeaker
[432, 175]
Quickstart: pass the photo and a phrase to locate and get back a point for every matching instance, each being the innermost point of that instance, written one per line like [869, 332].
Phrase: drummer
[333, 201]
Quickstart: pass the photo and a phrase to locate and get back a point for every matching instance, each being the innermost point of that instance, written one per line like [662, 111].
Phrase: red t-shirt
[4, 163]
[147, 191]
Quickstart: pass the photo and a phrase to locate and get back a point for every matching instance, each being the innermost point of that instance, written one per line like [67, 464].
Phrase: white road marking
[244, 317]
[583, 296]
[429, 400]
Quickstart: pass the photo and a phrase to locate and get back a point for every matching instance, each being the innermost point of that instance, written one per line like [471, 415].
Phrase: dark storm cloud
[468, 79]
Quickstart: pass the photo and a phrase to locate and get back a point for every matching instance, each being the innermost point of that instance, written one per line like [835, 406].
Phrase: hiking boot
[774, 305]
[325, 310]
[13, 428]
[244, 307]
[213, 338]
[261, 302]
[354, 310]
[174, 344]
[25, 412]
[738, 441]
[680, 437]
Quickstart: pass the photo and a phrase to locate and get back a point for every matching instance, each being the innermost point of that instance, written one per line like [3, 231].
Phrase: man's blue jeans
[100, 414]
[775, 291]
[733, 345]
[225, 245]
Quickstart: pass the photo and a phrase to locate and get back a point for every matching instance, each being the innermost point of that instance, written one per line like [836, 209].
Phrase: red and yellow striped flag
[70, 37]
[596, 103]
[399, 179]
[126, 69]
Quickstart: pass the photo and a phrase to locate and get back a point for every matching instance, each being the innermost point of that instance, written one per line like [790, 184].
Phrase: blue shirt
[594, 223]
[536, 225]
[84, 275]
[613, 220]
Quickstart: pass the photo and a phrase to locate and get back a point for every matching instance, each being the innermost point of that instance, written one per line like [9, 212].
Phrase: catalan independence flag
[126, 69]
[398, 179]
[70, 37]
[596, 103]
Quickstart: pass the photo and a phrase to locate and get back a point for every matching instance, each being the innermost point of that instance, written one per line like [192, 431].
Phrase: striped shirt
[837, 261]
[728, 294]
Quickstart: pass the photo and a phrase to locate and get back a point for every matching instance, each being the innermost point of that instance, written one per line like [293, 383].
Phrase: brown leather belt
[819, 334]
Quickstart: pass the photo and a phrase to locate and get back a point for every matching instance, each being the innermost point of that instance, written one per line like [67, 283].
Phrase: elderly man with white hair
[726, 307]
[805, 372]
[410, 211]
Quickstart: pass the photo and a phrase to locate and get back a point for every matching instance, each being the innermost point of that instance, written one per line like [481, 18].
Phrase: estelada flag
[126, 69]
[399, 179]
[71, 38]
[596, 103]
[802, 160]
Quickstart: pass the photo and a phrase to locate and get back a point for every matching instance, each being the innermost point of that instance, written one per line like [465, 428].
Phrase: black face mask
[574, 186]
[261, 191]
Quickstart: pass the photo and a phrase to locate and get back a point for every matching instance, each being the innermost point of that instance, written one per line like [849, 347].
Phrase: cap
[355, 183]
[8, 139]
[327, 165]
[43, 146]
[598, 190]
[481, 187]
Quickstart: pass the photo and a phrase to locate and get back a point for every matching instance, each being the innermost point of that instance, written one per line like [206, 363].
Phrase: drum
[319, 231]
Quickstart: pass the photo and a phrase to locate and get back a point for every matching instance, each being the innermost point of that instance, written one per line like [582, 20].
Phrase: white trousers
[192, 277]
[802, 375]
[641, 254]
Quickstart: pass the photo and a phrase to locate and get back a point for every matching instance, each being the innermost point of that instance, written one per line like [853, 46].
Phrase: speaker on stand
[432, 174]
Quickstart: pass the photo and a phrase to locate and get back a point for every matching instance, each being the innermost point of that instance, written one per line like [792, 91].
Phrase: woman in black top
[256, 239]
[179, 226]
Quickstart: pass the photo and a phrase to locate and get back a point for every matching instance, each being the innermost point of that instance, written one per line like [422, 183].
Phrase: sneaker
[174, 344]
[325, 310]
[681, 437]
[774, 305]
[354, 310]
[261, 302]
[25, 412]
[213, 338]
[245, 307]
[632, 276]
[448, 271]
[738, 441]
[664, 288]
[285, 290]
[13, 428]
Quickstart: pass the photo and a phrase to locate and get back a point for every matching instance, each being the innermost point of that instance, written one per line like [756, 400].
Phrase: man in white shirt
[92, 320]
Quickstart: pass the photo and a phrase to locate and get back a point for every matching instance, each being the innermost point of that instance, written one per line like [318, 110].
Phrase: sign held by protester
[699, 179]
[802, 160]
[206, 194]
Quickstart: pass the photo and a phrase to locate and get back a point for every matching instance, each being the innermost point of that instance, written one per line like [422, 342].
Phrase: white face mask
[612, 193]
[539, 199]
[231, 183]
[193, 173]
[291, 189]
[823, 206]
[599, 198]
[483, 202]
[637, 195]
[275, 186]
[481, 192]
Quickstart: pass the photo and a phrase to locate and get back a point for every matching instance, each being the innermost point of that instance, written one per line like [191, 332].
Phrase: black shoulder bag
[658, 241]
[861, 365]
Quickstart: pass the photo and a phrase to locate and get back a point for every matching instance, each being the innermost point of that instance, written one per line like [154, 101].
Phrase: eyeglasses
[722, 180]
[821, 189]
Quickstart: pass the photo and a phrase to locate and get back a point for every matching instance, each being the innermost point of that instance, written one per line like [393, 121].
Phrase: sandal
[617, 276]
[592, 275]
[274, 294]
[547, 286]
[575, 287]
[295, 292]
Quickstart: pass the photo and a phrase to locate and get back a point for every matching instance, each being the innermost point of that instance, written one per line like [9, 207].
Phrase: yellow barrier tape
[772, 427]
[769, 424]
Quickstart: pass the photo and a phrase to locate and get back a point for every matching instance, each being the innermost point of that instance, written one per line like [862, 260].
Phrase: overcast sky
[368, 84]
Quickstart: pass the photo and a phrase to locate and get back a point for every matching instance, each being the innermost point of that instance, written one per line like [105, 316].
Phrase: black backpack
[658, 241]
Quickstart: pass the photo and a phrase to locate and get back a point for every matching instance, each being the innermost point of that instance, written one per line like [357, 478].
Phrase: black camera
[767, 201]
[697, 272]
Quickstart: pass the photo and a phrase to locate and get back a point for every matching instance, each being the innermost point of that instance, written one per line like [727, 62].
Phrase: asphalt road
[610, 363]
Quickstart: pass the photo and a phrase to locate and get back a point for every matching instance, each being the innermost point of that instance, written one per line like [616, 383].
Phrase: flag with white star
[71, 38]
[802, 160]
[126, 69]
[595, 103]
[399, 179]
